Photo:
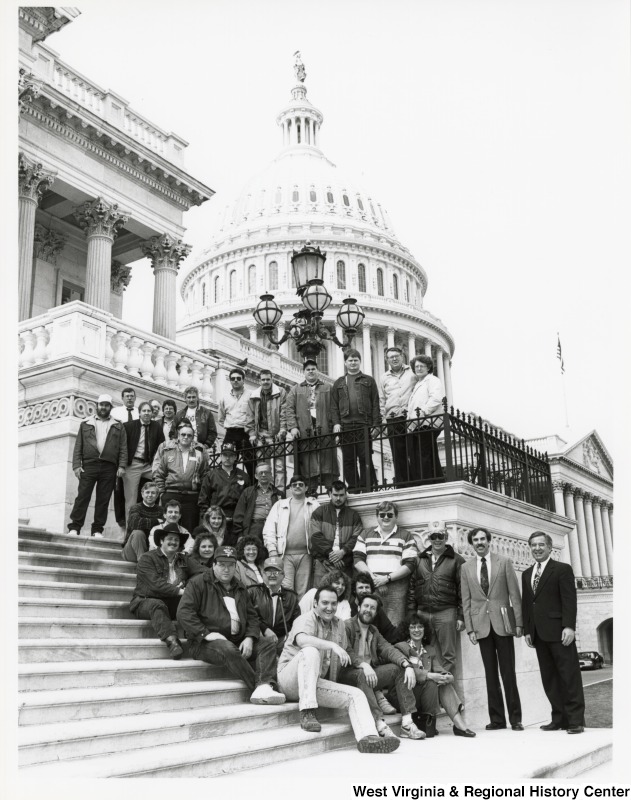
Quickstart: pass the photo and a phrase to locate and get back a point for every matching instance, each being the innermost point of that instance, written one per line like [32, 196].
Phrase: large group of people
[300, 599]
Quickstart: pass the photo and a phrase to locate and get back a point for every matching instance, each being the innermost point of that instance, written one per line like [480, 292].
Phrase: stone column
[411, 346]
[428, 348]
[101, 222]
[367, 356]
[390, 336]
[575, 553]
[380, 348]
[610, 512]
[119, 280]
[603, 555]
[252, 332]
[448, 387]
[582, 534]
[559, 507]
[33, 181]
[438, 363]
[591, 535]
[604, 511]
[165, 253]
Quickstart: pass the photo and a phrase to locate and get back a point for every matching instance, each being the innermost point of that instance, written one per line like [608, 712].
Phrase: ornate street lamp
[306, 328]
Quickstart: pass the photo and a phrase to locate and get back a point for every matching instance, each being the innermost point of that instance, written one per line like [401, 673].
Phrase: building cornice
[42, 21]
[103, 140]
[582, 469]
[288, 243]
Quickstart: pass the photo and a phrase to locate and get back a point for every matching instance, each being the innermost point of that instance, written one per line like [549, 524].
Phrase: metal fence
[411, 452]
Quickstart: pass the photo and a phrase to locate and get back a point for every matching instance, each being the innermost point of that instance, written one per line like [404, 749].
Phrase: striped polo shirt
[383, 553]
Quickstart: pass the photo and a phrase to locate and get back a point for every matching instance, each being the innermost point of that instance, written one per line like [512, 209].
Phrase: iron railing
[400, 453]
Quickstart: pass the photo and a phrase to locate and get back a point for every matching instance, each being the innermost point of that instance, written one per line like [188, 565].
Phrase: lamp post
[306, 328]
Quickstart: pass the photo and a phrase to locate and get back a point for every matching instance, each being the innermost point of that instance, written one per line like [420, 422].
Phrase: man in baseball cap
[99, 457]
[276, 605]
[223, 487]
[223, 628]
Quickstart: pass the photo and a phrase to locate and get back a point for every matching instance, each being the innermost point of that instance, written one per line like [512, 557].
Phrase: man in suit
[125, 413]
[489, 589]
[549, 611]
[144, 436]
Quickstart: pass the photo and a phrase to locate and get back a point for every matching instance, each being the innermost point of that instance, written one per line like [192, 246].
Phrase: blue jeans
[224, 653]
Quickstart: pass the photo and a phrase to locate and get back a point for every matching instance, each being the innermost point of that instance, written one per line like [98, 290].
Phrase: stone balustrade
[77, 330]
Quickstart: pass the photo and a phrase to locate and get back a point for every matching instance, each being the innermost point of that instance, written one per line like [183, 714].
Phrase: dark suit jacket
[553, 606]
[156, 437]
[206, 427]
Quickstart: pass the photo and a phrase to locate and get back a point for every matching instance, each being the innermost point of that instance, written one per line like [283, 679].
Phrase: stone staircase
[99, 696]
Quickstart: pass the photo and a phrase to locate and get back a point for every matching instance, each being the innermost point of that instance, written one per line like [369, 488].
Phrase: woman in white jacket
[427, 397]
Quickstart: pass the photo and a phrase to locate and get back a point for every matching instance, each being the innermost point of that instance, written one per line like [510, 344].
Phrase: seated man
[363, 585]
[141, 520]
[276, 606]
[161, 578]
[171, 515]
[255, 504]
[223, 628]
[381, 666]
[308, 669]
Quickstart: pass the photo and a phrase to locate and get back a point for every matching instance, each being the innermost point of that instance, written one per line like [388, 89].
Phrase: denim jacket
[367, 400]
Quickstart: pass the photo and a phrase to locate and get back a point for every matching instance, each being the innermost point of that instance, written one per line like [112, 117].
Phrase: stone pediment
[591, 453]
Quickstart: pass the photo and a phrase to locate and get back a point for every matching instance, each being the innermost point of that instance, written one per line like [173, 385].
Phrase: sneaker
[264, 695]
[378, 744]
[97, 535]
[386, 732]
[74, 530]
[411, 732]
[384, 705]
[308, 721]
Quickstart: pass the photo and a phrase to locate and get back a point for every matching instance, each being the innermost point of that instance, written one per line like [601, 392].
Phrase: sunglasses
[386, 515]
[298, 484]
[236, 378]
[436, 536]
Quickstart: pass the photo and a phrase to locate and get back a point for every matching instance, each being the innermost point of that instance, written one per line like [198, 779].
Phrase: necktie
[130, 417]
[145, 455]
[537, 576]
[484, 576]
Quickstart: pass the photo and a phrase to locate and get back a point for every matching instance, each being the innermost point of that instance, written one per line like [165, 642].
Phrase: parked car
[590, 659]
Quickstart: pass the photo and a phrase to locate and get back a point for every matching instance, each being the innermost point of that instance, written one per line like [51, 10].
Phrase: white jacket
[277, 524]
[427, 395]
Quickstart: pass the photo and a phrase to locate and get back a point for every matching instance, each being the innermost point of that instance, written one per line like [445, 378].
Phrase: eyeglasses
[236, 378]
[437, 536]
[298, 484]
[186, 435]
[386, 514]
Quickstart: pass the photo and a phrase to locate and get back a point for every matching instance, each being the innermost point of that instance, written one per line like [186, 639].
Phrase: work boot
[308, 721]
[175, 648]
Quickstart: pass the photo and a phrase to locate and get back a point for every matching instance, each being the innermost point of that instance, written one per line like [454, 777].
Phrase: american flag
[560, 354]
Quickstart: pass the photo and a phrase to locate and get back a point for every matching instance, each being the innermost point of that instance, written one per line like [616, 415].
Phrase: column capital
[28, 89]
[47, 244]
[558, 486]
[165, 252]
[580, 493]
[367, 325]
[33, 179]
[391, 330]
[120, 277]
[100, 218]
[588, 497]
[569, 488]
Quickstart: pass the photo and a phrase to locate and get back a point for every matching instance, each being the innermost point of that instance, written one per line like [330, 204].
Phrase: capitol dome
[302, 196]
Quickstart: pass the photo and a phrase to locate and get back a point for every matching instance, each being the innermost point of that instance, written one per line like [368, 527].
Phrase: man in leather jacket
[276, 605]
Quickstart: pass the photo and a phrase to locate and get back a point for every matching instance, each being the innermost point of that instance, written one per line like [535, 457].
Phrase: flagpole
[560, 357]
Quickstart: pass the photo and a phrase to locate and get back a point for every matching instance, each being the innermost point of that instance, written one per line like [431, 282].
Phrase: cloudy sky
[495, 134]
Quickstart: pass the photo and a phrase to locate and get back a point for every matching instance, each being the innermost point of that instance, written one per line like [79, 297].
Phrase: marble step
[77, 628]
[86, 738]
[68, 562]
[48, 676]
[196, 759]
[53, 608]
[58, 574]
[66, 705]
[29, 590]
[37, 651]
[37, 537]
[70, 548]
